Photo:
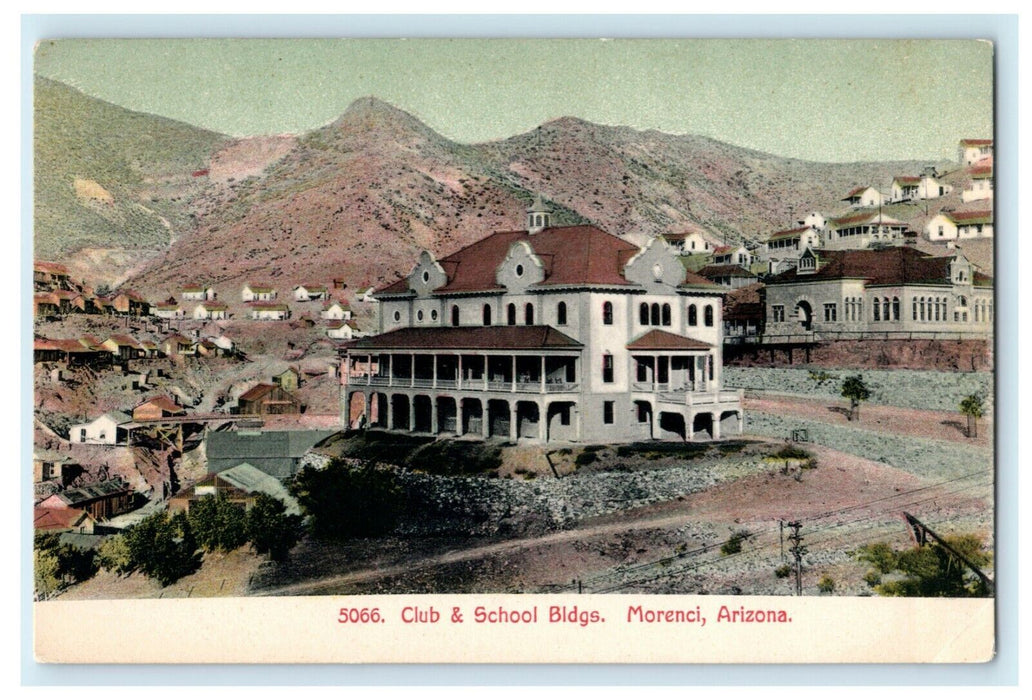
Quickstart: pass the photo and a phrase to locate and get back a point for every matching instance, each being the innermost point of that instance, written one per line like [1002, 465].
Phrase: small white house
[693, 243]
[310, 292]
[112, 428]
[210, 311]
[257, 292]
[925, 186]
[981, 184]
[170, 310]
[814, 220]
[952, 226]
[973, 150]
[336, 311]
[343, 330]
[789, 243]
[270, 312]
[195, 292]
[864, 197]
[733, 255]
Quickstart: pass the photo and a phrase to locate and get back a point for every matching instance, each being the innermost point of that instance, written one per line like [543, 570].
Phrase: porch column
[689, 420]
[412, 372]
[365, 408]
[654, 423]
[346, 369]
[458, 417]
[459, 379]
[434, 374]
[390, 369]
[716, 425]
[485, 414]
[513, 373]
[513, 416]
[434, 428]
[541, 420]
[412, 414]
[542, 374]
[369, 370]
[485, 384]
[390, 411]
[655, 373]
[576, 422]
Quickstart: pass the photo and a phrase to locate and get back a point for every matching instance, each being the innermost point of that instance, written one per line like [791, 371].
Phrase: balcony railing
[475, 384]
[560, 387]
[702, 398]
[667, 387]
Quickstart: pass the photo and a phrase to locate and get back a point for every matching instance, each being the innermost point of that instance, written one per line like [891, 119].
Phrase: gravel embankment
[932, 459]
[937, 391]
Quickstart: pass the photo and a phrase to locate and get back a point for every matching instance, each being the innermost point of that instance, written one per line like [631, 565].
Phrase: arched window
[876, 311]
[419, 315]
[915, 307]
[707, 314]
[655, 315]
[560, 314]
[666, 314]
[938, 303]
[643, 314]
[895, 308]
[978, 310]
[528, 314]
[885, 309]
[922, 307]
[455, 315]
[487, 314]
[693, 315]
[510, 314]
[607, 313]
[607, 369]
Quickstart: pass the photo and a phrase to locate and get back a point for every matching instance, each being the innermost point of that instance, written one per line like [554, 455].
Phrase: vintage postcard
[514, 351]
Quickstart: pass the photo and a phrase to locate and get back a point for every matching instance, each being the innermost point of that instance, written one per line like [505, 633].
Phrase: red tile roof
[663, 340]
[976, 142]
[63, 344]
[790, 233]
[57, 518]
[711, 271]
[869, 217]
[891, 266]
[720, 250]
[981, 171]
[857, 191]
[124, 340]
[907, 179]
[572, 255]
[468, 338]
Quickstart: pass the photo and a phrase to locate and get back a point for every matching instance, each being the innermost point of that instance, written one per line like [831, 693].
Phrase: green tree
[114, 555]
[45, 569]
[855, 389]
[59, 565]
[271, 529]
[218, 524]
[972, 407]
[163, 547]
[344, 500]
[929, 571]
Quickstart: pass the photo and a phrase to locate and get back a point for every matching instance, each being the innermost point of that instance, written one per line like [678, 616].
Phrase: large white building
[547, 334]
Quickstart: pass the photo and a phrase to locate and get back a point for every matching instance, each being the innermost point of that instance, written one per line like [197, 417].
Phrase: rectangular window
[643, 412]
[831, 312]
[607, 412]
[778, 312]
[607, 369]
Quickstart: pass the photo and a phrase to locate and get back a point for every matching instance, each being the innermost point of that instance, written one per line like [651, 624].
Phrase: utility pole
[798, 550]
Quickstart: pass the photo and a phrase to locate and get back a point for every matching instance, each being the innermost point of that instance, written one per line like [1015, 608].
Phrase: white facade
[733, 256]
[257, 293]
[103, 430]
[959, 226]
[336, 311]
[198, 294]
[309, 293]
[627, 356]
[973, 150]
[866, 197]
[170, 311]
[209, 312]
[981, 188]
[276, 312]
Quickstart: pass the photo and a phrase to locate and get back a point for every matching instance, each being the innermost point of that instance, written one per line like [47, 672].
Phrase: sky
[825, 100]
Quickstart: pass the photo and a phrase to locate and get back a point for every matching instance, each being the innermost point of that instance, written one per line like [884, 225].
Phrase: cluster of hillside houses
[57, 295]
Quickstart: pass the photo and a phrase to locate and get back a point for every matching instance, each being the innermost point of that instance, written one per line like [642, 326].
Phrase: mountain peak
[373, 111]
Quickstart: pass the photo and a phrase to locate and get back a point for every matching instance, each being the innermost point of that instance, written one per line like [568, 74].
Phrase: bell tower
[539, 216]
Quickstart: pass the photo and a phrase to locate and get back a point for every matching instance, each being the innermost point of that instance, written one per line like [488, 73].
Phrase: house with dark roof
[888, 290]
[263, 399]
[240, 485]
[157, 408]
[49, 276]
[310, 292]
[257, 292]
[269, 312]
[552, 333]
[101, 499]
[782, 248]
[733, 276]
[131, 303]
[210, 311]
[197, 292]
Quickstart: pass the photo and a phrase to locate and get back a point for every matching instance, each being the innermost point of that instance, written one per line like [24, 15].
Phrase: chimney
[539, 216]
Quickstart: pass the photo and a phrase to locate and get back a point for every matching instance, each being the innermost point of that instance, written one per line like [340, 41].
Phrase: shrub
[218, 524]
[930, 571]
[826, 584]
[733, 545]
[585, 458]
[792, 452]
[872, 578]
[349, 501]
[270, 529]
[113, 555]
[783, 571]
[162, 547]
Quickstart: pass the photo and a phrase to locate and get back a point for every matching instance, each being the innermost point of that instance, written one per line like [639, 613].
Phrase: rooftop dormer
[539, 216]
